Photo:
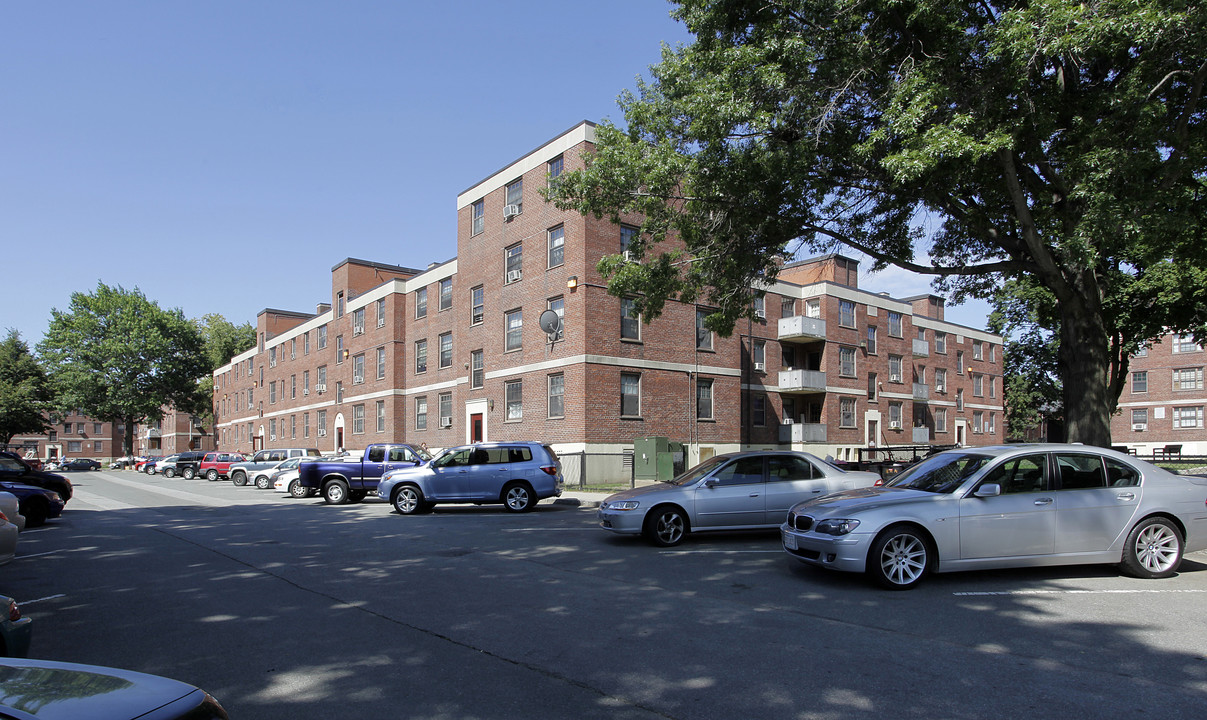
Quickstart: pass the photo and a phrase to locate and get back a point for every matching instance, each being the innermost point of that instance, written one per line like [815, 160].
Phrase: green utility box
[656, 459]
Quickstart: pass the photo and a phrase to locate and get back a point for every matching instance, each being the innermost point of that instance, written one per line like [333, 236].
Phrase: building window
[992, 385]
[703, 334]
[959, 399]
[515, 195]
[272, 392]
[272, 357]
[813, 308]
[787, 306]
[421, 302]
[991, 355]
[322, 379]
[872, 386]
[846, 313]
[339, 391]
[846, 412]
[306, 343]
[305, 425]
[381, 416]
[446, 409]
[1140, 381]
[446, 294]
[894, 415]
[513, 260]
[894, 324]
[322, 336]
[978, 385]
[1139, 417]
[704, 399]
[358, 321]
[446, 350]
[1185, 344]
[358, 419]
[760, 410]
[293, 387]
[477, 369]
[846, 361]
[941, 343]
[293, 349]
[959, 362]
[339, 304]
[478, 305]
[381, 363]
[420, 356]
[760, 307]
[894, 368]
[293, 426]
[758, 355]
[941, 420]
[557, 396]
[339, 349]
[381, 312]
[97, 445]
[628, 234]
[421, 413]
[558, 305]
[978, 352]
[477, 215]
[272, 429]
[358, 369]
[630, 321]
[940, 380]
[554, 169]
[514, 323]
[1188, 379]
[513, 391]
[630, 395]
[557, 246]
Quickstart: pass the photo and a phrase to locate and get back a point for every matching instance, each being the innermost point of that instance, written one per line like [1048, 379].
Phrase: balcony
[802, 381]
[802, 433]
[799, 327]
[921, 435]
[921, 392]
[921, 349]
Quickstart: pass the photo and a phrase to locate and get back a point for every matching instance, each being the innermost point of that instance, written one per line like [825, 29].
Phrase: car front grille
[800, 522]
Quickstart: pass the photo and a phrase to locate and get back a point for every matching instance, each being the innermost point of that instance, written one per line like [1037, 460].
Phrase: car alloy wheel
[1153, 549]
[211, 475]
[899, 558]
[169, 473]
[666, 526]
[408, 500]
[517, 497]
[297, 491]
[189, 474]
[263, 482]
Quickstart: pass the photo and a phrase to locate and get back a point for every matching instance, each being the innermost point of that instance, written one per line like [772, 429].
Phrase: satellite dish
[550, 321]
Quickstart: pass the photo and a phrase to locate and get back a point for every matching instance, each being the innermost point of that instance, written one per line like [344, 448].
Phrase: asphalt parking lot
[287, 608]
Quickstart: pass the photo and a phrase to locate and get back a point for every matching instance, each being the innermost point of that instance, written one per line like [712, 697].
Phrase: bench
[1124, 449]
[1168, 452]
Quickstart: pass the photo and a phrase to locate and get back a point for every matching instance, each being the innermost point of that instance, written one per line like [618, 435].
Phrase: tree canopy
[24, 397]
[118, 356]
[1057, 143]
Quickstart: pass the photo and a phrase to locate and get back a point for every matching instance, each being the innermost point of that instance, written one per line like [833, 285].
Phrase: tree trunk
[1085, 360]
[128, 439]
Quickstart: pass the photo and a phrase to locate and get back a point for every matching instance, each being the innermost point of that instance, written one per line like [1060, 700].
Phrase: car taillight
[549, 469]
[879, 482]
[14, 612]
[3, 516]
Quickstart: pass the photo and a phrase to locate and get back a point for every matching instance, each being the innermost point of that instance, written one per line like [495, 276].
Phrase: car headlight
[836, 526]
[622, 505]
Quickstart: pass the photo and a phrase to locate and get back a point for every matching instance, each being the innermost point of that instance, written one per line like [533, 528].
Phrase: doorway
[476, 428]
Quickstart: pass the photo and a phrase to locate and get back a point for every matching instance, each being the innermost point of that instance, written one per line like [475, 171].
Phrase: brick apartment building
[1162, 403]
[174, 433]
[73, 436]
[454, 353]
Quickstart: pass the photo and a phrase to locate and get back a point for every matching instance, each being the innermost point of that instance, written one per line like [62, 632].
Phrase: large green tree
[24, 396]
[118, 356]
[1059, 142]
[222, 340]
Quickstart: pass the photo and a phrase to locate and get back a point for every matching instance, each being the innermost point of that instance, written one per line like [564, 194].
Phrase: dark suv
[188, 465]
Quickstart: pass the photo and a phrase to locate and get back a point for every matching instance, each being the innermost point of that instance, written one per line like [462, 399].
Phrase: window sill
[631, 417]
[632, 341]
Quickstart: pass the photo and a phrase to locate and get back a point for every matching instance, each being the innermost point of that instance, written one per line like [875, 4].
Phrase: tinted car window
[743, 471]
[1020, 475]
[519, 454]
[1121, 475]
[377, 454]
[1079, 472]
[783, 468]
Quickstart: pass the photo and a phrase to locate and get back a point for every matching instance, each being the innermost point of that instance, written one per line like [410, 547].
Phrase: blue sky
[222, 156]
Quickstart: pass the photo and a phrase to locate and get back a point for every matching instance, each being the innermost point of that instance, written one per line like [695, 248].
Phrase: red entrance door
[475, 428]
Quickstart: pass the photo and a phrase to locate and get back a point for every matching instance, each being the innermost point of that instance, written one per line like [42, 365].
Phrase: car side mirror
[711, 483]
[988, 490]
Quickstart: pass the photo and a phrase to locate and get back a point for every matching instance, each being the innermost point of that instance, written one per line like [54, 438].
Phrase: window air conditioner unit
[322, 433]
[305, 392]
[628, 256]
[759, 367]
[513, 276]
[446, 422]
[894, 425]
[510, 211]
[760, 314]
[321, 388]
[1139, 426]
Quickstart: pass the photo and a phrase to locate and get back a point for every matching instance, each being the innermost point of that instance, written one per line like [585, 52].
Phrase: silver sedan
[736, 491]
[1009, 506]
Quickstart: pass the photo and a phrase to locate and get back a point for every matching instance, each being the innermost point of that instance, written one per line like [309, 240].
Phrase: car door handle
[754, 494]
[1126, 497]
[1044, 501]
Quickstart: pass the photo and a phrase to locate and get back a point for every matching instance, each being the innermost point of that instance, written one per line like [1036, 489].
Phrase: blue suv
[516, 474]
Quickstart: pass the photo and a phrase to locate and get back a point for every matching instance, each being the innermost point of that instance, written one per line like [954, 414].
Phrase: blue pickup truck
[351, 478]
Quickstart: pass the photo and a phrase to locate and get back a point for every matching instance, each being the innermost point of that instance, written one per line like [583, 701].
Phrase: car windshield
[423, 454]
[699, 471]
[290, 463]
[941, 473]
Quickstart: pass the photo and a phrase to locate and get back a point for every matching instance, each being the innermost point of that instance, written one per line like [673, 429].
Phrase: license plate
[789, 541]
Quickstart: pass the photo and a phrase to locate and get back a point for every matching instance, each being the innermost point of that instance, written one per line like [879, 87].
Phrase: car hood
[645, 491]
[65, 691]
[863, 500]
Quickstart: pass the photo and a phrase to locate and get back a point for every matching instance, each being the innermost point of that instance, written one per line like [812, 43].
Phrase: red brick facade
[525, 256]
[1163, 400]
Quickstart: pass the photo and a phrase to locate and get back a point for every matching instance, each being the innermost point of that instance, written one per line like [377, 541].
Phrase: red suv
[216, 464]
